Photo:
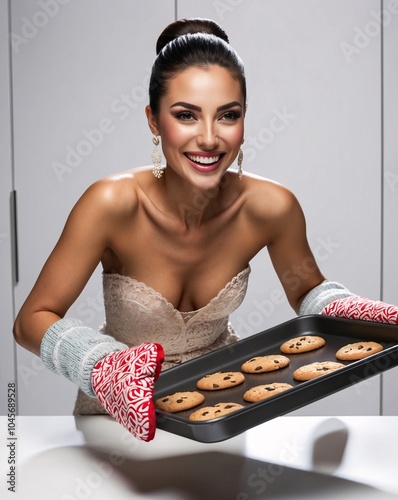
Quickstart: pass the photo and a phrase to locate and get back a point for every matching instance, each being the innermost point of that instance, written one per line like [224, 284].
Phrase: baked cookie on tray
[179, 401]
[263, 364]
[216, 411]
[305, 343]
[314, 370]
[264, 391]
[220, 380]
[358, 350]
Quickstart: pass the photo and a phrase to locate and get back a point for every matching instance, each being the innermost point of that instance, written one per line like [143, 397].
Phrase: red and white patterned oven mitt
[355, 307]
[124, 384]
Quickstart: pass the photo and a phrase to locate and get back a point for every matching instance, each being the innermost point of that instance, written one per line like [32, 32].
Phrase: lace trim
[142, 286]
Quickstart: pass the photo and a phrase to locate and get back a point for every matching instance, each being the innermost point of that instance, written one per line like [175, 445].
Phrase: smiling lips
[204, 163]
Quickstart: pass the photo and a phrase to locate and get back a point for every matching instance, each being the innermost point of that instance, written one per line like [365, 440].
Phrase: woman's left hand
[355, 307]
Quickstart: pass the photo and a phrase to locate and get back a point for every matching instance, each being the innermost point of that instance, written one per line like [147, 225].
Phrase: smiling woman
[203, 132]
[175, 243]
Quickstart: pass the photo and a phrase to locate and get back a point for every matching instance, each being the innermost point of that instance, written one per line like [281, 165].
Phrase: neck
[191, 205]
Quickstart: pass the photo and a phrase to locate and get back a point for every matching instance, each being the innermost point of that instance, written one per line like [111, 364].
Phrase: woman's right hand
[124, 384]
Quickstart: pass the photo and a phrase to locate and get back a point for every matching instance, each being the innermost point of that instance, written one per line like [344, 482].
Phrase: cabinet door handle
[14, 235]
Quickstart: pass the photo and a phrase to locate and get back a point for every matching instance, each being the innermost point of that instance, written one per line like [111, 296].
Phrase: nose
[207, 137]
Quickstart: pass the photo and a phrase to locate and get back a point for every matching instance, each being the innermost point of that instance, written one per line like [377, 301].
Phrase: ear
[152, 121]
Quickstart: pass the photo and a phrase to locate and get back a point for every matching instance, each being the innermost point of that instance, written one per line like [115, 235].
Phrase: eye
[231, 116]
[185, 116]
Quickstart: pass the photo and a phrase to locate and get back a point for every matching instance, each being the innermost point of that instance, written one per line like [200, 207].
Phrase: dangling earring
[156, 159]
[240, 161]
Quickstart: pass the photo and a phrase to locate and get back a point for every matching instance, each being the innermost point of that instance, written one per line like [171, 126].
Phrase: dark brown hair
[187, 43]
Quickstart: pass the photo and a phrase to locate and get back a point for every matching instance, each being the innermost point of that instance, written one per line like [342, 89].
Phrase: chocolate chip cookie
[314, 370]
[179, 401]
[358, 350]
[260, 392]
[262, 364]
[305, 343]
[216, 411]
[220, 380]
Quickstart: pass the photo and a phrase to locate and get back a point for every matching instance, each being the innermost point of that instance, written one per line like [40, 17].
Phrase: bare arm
[76, 255]
[289, 250]
[287, 243]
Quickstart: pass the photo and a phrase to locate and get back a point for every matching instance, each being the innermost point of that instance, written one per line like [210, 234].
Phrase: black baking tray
[337, 332]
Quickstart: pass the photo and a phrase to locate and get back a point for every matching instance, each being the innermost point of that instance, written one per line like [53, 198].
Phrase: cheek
[173, 135]
[236, 134]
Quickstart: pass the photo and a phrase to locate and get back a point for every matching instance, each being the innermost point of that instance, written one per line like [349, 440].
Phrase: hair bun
[189, 26]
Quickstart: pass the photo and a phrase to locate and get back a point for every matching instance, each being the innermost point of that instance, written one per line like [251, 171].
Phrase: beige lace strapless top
[136, 313]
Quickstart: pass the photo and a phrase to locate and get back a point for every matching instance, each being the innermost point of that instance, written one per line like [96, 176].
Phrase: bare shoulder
[104, 208]
[114, 195]
[269, 201]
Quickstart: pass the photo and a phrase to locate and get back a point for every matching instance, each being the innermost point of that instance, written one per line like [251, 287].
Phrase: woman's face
[201, 124]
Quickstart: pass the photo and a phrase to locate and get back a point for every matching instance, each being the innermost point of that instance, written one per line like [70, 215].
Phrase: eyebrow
[197, 108]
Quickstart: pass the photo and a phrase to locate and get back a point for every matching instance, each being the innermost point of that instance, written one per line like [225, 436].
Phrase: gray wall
[314, 123]
[7, 364]
[390, 192]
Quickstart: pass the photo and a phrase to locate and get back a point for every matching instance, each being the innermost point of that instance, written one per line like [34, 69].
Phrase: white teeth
[206, 160]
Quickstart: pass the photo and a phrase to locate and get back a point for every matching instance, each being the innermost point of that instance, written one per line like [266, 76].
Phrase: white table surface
[63, 458]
